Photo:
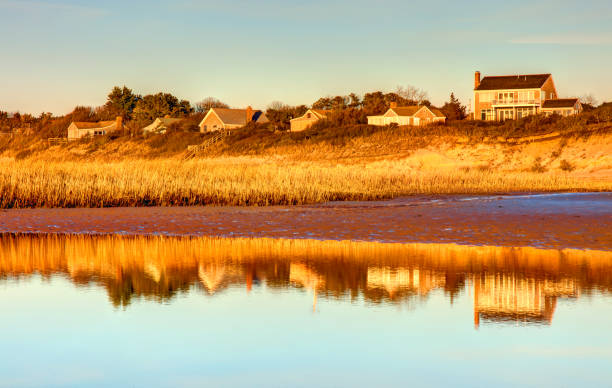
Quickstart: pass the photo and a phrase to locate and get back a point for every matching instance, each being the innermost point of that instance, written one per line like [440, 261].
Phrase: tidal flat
[558, 220]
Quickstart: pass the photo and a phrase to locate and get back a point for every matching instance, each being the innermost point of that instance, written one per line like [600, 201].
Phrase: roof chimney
[249, 114]
[119, 126]
[393, 104]
[476, 80]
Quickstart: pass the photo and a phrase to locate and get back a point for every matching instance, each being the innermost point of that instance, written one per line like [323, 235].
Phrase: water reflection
[506, 284]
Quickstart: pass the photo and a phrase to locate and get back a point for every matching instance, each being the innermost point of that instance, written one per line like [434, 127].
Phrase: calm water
[165, 312]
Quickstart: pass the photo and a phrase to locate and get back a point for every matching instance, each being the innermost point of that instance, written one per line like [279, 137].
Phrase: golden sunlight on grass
[251, 181]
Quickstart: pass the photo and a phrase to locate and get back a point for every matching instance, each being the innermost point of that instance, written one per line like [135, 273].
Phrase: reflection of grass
[250, 181]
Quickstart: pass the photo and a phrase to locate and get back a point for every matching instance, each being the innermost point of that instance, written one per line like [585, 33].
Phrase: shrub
[566, 166]
[537, 165]
[23, 154]
[173, 141]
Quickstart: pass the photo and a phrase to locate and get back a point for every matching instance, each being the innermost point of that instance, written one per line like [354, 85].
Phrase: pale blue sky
[58, 54]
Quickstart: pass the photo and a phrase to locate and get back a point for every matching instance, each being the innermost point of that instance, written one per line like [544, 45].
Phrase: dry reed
[250, 181]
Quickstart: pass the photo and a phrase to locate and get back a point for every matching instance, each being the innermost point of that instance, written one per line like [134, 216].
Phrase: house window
[525, 97]
[308, 115]
[487, 114]
[505, 97]
[485, 97]
[505, 114]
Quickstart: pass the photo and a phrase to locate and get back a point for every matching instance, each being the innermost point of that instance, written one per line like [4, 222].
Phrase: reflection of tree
[507, 284]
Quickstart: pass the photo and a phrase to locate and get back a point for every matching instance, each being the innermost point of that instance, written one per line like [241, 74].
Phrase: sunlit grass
[251, 181]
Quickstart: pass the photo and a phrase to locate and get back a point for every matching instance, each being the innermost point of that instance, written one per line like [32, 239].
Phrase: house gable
[391, 113]
[303, 122]
[549, 88]
[424, 113]
[320, 113]
[211, 122]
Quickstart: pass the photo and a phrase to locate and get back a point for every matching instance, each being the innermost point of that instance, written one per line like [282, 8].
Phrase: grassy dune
[256, 166]
[253, 181]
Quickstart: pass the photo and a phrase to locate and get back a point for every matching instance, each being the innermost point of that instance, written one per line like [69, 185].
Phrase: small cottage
[310, 117]
[226, 119]
[79, 129]
[408, 115]
[160, 125]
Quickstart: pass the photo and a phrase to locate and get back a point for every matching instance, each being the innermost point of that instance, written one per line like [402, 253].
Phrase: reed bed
[251, 181]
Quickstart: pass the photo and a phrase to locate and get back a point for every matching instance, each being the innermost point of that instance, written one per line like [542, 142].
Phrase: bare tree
[277, 105]
[207, 103]
[589, 99]
[412, 93]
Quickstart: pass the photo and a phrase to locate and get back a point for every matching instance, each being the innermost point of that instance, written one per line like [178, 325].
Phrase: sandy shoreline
[576, 220]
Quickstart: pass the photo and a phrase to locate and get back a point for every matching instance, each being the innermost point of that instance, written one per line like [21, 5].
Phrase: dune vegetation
[329, 162]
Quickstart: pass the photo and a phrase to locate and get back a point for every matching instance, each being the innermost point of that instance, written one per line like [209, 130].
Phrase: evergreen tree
[453, 110]
[120, 102]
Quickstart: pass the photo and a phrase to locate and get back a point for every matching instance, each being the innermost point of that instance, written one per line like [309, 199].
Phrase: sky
[60, 54]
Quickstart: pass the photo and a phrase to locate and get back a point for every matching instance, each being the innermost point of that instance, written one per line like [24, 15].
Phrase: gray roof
[238, 116]
[560, 103]
[161, 123]
[521, 81]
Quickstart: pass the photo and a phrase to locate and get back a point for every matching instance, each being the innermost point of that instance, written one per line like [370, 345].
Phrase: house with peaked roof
[562, 106]
[310, 117]
[227, 119]
[80, 129]
[160, 125]
[408, 115]
[508, 97]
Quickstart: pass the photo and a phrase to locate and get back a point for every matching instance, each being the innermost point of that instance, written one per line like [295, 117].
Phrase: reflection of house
[302, 275]
[403, 279]
[408, 115]
[218, 276]
[225, 119]
[77, 130]
[506, 297]
[310, 117]
[160, 125]
[153, 270]
[562, 106]
[211, 276]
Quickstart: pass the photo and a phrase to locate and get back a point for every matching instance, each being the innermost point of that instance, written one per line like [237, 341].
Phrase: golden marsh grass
[251, 181]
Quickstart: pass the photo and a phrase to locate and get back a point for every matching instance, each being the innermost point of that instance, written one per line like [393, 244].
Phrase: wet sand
[576, 220]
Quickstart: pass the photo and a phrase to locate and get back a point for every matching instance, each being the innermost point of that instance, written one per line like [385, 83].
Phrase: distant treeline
[138, 111]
